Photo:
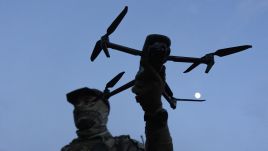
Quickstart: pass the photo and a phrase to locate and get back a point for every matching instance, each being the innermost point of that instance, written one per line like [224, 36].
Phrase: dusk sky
[45, 49]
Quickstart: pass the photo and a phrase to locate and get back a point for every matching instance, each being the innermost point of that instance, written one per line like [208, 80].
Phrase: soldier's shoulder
[77, 145]
[127, 143]
[118, 143]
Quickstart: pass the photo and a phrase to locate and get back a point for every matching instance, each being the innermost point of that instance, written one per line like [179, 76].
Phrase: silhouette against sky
[45, 49]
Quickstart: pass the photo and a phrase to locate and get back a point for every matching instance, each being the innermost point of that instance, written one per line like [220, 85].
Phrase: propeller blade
[209, 66]
[117, 21]
[231, 50]
[111, 83]
[105, 49]
[191, 67]
[122, 88]
[194, 100]
[96, 50]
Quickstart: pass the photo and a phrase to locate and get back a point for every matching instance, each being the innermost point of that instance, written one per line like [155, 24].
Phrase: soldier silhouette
[91, 113]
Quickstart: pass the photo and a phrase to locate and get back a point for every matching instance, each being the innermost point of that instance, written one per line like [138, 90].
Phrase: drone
[156, 50]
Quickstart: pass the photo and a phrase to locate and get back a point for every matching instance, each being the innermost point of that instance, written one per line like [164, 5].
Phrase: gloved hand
[149, 85]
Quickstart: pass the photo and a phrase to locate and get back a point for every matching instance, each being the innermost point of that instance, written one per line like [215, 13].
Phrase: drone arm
[208, 59]
[185, 59]
[168, 91]
[124, 49]
[122, 88]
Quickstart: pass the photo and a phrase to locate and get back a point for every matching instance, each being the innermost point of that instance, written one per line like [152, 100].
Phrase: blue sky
[44, 53]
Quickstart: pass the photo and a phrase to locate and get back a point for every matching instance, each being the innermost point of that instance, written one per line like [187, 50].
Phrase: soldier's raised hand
[149, 85]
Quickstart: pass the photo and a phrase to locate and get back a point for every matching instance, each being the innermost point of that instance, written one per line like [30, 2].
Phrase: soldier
[91, 116]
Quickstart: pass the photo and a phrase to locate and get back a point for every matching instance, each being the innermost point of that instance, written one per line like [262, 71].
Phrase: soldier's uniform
[105, 143]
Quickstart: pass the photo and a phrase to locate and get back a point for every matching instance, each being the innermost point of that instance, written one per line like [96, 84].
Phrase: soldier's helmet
[90, 108]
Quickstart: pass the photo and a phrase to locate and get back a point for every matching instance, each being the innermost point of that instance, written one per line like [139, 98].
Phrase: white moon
[197, 95]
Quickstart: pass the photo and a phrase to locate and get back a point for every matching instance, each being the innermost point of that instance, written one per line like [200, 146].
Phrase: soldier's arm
[148, 88]
[157, 132]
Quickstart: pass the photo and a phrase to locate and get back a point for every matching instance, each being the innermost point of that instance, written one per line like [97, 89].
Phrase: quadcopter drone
[156, 50]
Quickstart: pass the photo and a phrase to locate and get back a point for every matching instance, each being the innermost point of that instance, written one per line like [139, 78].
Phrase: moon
[197, 95]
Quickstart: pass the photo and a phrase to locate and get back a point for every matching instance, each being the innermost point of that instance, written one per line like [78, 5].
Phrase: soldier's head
[90, 109]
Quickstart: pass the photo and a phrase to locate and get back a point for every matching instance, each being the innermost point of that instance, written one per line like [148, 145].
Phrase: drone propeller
[191, 67]
[209, 58]
[117, 21]
[106, 92]
[102, 44]
[228, 51]
[96, 50]
[195, 100]
[112, 82]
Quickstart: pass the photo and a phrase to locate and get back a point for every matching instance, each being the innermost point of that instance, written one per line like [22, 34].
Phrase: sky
[45, 49]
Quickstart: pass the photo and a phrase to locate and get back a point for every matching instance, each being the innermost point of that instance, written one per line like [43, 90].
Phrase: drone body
[156, 51]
